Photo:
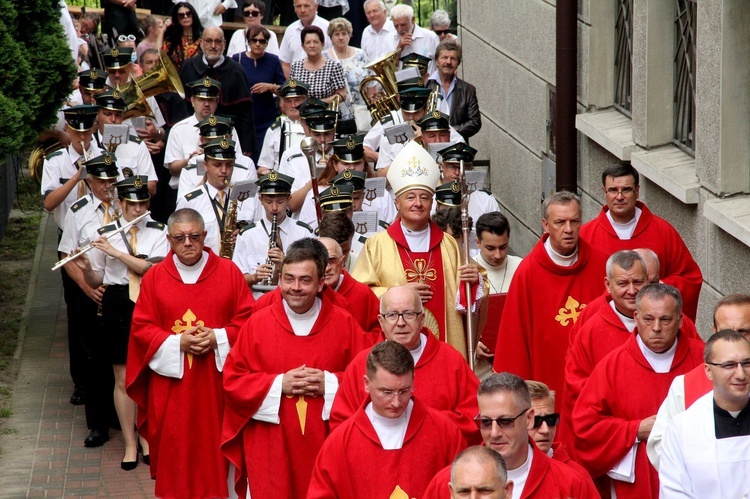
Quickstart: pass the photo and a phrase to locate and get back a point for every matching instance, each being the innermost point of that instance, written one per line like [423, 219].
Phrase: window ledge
[610, 129]
[671, 169]
[732, 215]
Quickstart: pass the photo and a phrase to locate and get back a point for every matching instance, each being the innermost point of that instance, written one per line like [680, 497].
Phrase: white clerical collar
[660, 362]
[216, 65]
[191, 273]
[302, 323]
[418, 240]
[625, 231]
[419, 349]
[338, 285]
[557, 258]
[550, 452]
[520, 474]
[628, 322]
[391, 431]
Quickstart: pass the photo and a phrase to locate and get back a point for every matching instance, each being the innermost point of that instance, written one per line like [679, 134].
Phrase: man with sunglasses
[731, 312]
[443, 379]
[614, 414]
[394, 443]
[627, 223]
[505, 417]
[252, 11]
[706, 449]
[189, 312]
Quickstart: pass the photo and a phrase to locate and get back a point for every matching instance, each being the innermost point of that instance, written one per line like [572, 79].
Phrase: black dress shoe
[78, 397]
[146, 457]
[129, 465]
[96, 438]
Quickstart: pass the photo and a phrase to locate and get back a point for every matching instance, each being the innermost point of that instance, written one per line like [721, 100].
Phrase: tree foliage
[36, 70]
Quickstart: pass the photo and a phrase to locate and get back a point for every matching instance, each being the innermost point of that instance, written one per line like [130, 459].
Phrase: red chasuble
[273, 296]
[442, 381]
[278, 458]
[548, 479]
[181, 418]
[696, 385]
[544, 302]
[353, 465]
[594, 341]
[623, 390]
[364, 305]
[678, 268]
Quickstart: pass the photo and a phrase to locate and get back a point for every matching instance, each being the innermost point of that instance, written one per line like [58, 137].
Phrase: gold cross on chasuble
[422, 272]
[570, 311]
[180, 327]
[398, 493]
[301, 411]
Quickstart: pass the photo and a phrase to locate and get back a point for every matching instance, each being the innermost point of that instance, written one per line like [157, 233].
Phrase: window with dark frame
[686, 15]
[623, 55]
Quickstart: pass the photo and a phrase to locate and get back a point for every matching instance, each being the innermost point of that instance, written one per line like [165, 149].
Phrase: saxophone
[273, 280]
[226, 246]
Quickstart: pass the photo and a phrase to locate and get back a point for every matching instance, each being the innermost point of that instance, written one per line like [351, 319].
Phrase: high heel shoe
[146, 457]
[131, 465]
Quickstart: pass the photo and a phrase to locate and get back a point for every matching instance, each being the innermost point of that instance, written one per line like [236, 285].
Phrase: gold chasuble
[386, 261]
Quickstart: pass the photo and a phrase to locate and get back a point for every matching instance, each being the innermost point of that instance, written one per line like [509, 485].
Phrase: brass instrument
[37, 155]
[471, 335]
[385, 75]
[86, 248]
[273, 280]
[163, 78]
[433, 101]
[309, 146]
[226, 246]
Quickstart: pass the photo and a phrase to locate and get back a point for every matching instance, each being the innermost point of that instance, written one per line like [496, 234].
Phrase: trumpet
[90, 245]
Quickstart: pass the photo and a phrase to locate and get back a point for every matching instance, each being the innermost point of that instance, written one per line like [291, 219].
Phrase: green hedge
[36, 71]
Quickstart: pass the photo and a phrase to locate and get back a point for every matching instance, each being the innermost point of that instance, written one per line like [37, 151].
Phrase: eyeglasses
[184, 15]
[181, 238]
[211, 41]
[392, 317]
[504, 423]
[441, 32]
[126, 38]
[395, 393]
[731, 366]
[550, 419]
[251, 13]
[262, 41]
[625, 191]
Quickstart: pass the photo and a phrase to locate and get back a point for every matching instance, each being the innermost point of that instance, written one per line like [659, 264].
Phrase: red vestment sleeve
[438, 487]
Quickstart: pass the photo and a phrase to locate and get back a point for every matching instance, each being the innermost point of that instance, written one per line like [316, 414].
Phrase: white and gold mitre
[413, 168]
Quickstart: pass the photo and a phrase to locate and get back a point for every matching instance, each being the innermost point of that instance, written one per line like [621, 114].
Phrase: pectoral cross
[422, 272]
[180, 328]
[301, 411]
[571, 311]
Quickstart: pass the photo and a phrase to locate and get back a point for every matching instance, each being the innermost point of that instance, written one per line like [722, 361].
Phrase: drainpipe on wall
[566, 65]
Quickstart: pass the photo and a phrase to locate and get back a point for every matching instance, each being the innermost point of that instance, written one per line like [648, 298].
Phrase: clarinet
[273, 279]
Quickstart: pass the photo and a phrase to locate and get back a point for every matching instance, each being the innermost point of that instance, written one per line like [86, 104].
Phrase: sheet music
[475, 179]
[365, 222]
[243, 189]
[399, 134]
[115, 134]
[374, 188]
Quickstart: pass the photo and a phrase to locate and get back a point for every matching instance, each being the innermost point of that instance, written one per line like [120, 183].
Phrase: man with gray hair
[379, 37]
[412, 39]
[550, 288]
[479, 470]
[505, 417]
[291, 46]
[614, 414]
[443, 380]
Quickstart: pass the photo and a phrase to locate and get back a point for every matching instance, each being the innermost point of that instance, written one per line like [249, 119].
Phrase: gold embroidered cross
[180, 328]
[571, 311]
[420, 272]
[301, 411]
[414, 162]
[398, 493]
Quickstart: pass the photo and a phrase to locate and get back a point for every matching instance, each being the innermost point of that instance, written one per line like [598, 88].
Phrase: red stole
[492, 325]
[426, 268]
[696, 385]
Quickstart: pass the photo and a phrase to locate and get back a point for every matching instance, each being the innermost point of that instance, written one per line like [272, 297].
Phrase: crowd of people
[277, 305]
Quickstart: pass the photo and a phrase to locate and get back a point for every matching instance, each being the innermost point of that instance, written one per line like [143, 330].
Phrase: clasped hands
[303, 381]
[198, 340]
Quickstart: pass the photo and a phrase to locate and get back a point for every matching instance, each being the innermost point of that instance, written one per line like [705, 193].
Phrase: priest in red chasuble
[414, 251]
[394, 444]
[442, 378]
[615, 412]
[281, 377]
[188, 314]
[550, 288]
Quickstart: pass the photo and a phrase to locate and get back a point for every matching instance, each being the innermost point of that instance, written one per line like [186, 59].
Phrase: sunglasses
[550, 419]
[184, 15]
[441, 32]
[504, 423]
[262, 41]
[126, 38]
[251, 13]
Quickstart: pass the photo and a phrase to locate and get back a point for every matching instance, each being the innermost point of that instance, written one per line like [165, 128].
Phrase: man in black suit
[459, 98]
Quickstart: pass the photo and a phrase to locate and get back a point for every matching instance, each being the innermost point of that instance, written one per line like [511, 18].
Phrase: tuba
[163, 78]
[37, 155]
[385, 75]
